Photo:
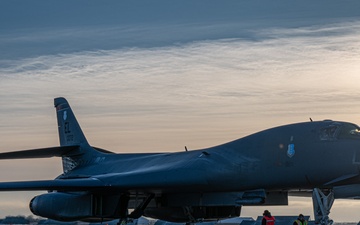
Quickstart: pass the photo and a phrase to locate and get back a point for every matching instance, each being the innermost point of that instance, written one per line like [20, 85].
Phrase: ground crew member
[300, 220]
[268, 219]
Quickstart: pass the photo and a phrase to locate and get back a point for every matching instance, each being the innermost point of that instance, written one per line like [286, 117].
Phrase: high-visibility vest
[298, 222]
[270, 220]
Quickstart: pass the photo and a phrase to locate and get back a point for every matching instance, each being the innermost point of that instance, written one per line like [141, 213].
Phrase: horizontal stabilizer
[39, 153]
[84, 184]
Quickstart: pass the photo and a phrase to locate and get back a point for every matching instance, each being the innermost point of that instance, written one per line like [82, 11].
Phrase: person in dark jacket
[268, 219]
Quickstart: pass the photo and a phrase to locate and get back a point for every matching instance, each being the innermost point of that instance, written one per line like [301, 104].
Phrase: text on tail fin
[69, 129]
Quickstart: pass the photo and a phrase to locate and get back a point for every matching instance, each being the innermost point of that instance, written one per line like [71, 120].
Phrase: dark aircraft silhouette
[319, 159]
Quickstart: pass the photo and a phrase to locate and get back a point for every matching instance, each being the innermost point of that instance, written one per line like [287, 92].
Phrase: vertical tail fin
[70, 134]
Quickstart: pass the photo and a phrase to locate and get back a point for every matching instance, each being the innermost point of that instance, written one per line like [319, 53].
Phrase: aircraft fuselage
[284, 157]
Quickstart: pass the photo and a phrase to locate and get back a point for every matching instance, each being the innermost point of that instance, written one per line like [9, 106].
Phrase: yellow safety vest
[301, 223]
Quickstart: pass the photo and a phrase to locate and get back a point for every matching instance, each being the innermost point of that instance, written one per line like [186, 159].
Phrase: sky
[155, 76]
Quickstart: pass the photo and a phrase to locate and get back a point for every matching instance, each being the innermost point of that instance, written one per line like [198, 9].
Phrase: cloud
[290, 62]
[197, 94]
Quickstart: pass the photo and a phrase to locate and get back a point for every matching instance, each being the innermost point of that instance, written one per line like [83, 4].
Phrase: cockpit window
[355, 132]
[339, 131]
[330, 132]
[349, 131]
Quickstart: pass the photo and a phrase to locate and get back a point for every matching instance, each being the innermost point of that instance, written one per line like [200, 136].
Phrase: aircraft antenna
[186, 148]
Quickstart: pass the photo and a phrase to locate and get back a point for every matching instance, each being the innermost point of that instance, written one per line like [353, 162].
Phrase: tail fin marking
[70, 134]
[69, 129]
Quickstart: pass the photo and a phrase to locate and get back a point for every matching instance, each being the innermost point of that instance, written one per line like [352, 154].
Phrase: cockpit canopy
[339, 130]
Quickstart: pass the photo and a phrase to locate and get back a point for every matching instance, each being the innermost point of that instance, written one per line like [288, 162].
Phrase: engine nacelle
[184, 207]
[62, 206]
[74, 206]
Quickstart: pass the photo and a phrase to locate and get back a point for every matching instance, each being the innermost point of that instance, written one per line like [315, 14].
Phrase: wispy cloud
[196, 94]
[289, 65]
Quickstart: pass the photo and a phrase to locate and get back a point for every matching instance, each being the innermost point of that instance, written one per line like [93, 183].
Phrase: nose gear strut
[322, 204]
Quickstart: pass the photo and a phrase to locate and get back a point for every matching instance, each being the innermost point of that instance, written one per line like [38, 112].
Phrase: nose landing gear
[322, 203]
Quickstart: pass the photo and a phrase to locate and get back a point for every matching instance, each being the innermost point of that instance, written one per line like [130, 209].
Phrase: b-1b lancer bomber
[316, 158]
